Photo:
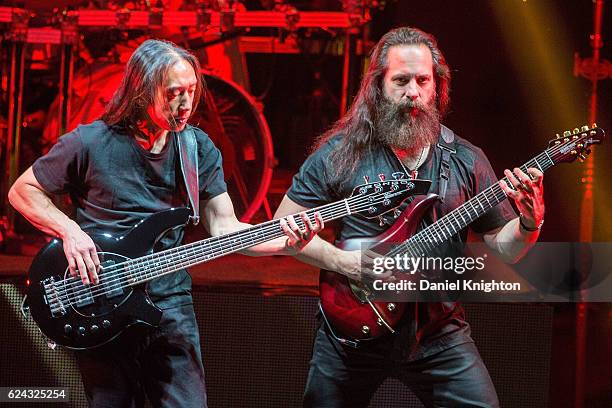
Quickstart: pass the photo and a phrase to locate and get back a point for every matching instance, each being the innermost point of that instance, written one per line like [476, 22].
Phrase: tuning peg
[381, 176]
[580, 145]
[573, 152]
[558, 136]
[594, 126]
[576, 131]
[381, 221]
[367, 179]
[584, 128]
[567, 133]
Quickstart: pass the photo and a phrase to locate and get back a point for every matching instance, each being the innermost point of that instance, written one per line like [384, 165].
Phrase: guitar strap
[188, 158]
[446, 144]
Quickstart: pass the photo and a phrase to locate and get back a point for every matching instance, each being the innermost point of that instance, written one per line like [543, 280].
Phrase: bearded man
[393, 130]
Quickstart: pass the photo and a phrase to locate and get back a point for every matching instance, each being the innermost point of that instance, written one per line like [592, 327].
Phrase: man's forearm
[321, 254]
[277, 246]
[39, 210]
[512, 241]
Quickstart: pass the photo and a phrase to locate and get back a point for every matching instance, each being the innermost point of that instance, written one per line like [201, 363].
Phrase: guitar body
[344, 301]
[347, 306]
[83, 317]
[88, 321]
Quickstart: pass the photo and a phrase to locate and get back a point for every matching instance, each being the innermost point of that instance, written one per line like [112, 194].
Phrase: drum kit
[91, 40]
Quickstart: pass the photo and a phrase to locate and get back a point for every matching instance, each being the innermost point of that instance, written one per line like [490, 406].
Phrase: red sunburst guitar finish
[345, 302]
[347, 305]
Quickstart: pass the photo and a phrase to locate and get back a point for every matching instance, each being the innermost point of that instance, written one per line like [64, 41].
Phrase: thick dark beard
[397, 127]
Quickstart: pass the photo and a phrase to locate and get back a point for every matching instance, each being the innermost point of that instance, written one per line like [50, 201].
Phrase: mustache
[405, 105]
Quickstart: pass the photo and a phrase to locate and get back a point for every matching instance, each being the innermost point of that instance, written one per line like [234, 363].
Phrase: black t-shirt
[437, 325]
[115, 183]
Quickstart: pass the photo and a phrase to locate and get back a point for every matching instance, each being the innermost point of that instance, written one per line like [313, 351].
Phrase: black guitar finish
[93, 321]
[82, 317]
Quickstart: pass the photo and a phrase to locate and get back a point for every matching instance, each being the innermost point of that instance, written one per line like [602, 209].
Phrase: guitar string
[416, 239]
[160, 257]
[184, 261]
[433, 238]
[263, 228]
[423, 240]
[188, 260]
[426, 236]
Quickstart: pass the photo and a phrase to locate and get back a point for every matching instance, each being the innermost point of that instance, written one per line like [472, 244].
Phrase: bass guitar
[80, 316]
[348, 307]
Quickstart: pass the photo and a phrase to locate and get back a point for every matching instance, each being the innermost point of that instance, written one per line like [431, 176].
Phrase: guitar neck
[459, 218]
[149, 267]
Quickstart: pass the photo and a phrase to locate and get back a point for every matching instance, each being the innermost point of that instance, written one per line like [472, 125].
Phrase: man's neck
[412, 158]
[151, 137]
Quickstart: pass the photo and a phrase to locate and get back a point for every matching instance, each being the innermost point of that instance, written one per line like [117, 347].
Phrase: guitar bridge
[53, 297]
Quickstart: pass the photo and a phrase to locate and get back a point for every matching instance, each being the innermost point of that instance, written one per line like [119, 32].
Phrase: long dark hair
[145, 75]
[357, 126]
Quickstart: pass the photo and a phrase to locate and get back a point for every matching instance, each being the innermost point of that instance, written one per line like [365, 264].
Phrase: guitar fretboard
[148, 267]
[435, 234]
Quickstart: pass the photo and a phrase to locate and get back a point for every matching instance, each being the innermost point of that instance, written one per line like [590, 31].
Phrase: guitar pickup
[111, 281]
[83, 297]
[72, 291]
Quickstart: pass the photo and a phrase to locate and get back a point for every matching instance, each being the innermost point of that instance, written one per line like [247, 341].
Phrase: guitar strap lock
[188, 158]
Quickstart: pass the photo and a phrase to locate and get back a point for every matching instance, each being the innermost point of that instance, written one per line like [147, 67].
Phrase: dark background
[508, 103]
[513, 89]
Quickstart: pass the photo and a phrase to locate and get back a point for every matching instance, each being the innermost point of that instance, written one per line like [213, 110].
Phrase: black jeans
[165, 364]
[343, 377]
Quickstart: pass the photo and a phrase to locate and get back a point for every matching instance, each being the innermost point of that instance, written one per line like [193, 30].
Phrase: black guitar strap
[446, 143]
[188, 158]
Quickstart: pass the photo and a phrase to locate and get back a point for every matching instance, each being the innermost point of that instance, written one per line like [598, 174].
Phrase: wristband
[528, 229]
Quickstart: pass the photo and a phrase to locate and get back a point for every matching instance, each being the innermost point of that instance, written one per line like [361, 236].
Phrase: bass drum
[235, 122]
[230, 116]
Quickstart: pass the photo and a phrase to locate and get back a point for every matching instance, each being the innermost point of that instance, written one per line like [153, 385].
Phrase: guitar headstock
[378, 198]
[575, 144]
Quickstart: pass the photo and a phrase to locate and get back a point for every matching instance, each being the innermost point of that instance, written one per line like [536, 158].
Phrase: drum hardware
[228, 22]
[16, 38]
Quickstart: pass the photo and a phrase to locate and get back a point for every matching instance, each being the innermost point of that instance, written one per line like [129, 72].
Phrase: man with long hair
[393, 128]
[119, 170]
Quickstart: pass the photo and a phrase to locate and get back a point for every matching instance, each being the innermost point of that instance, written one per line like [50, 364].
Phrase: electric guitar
[80, 316]
[347, 305]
